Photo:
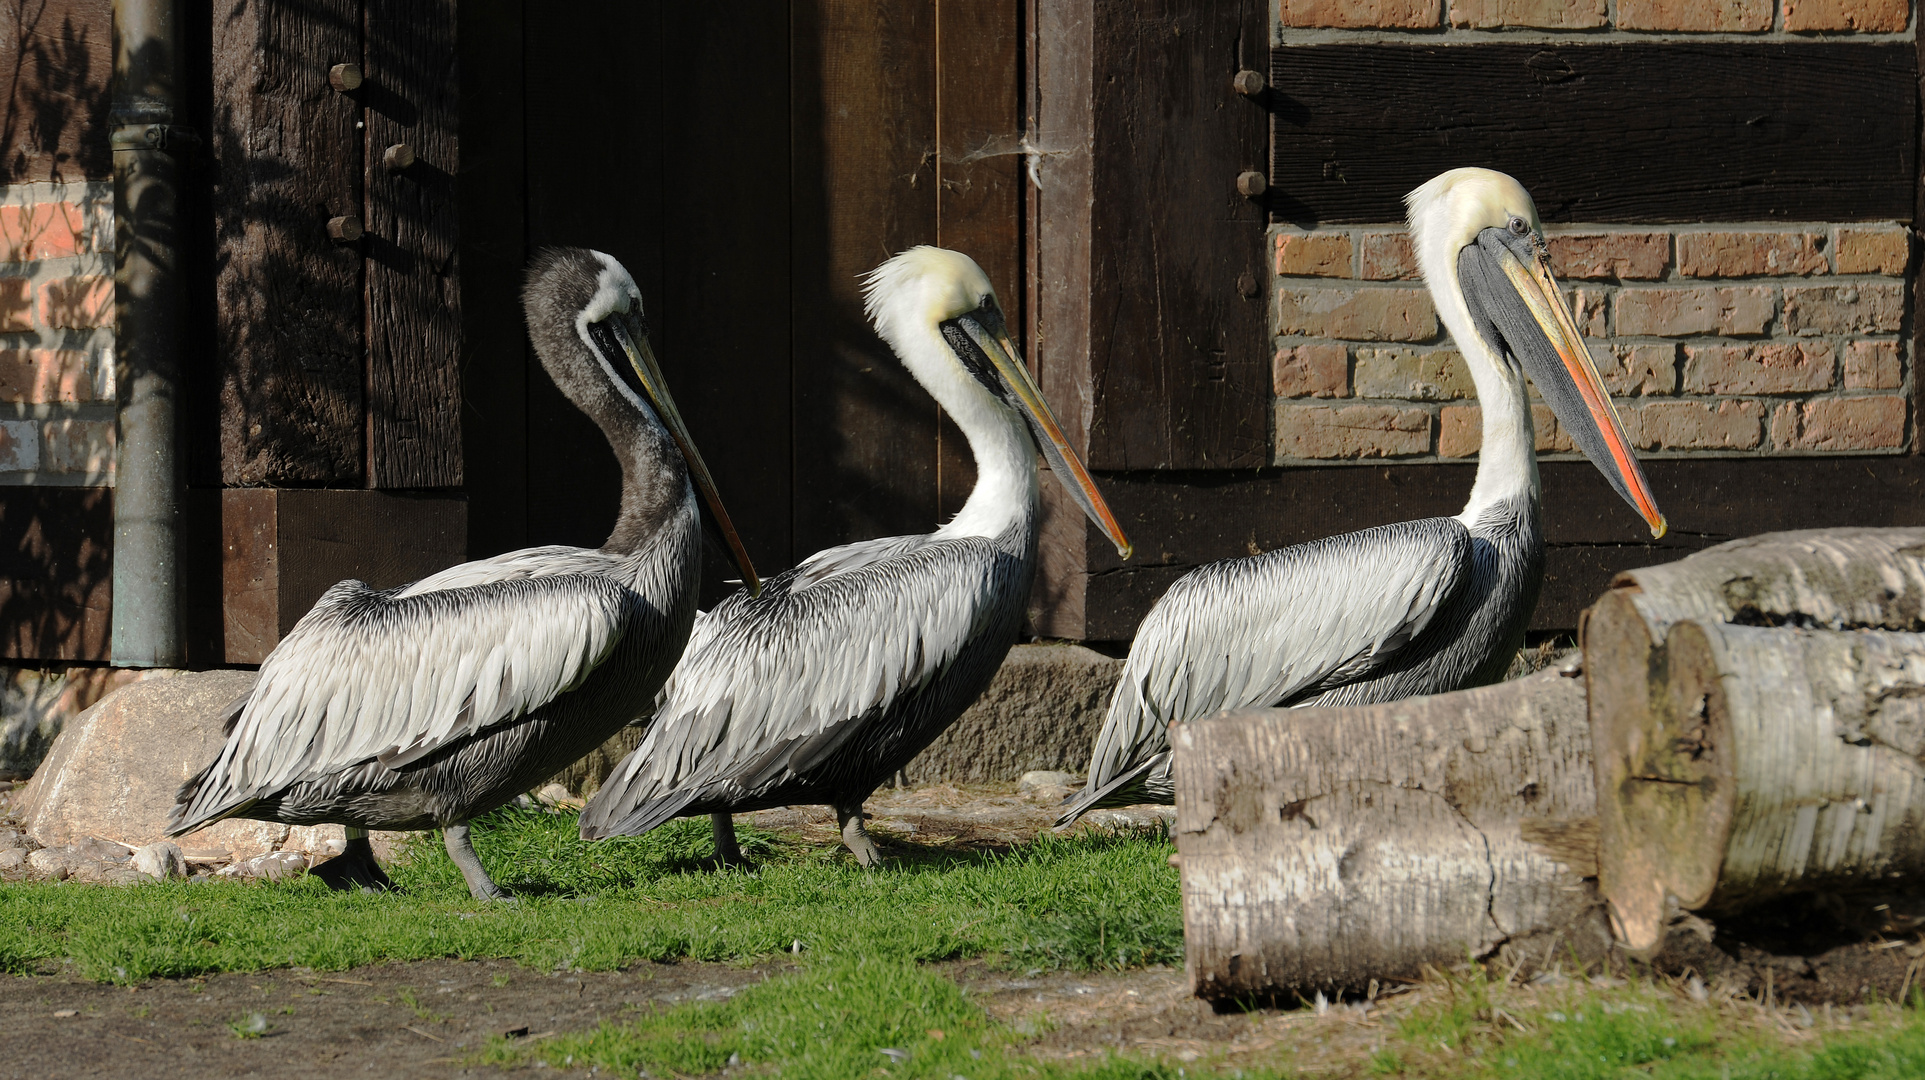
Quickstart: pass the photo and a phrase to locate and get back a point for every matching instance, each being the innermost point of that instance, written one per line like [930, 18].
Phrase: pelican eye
[1519, 227]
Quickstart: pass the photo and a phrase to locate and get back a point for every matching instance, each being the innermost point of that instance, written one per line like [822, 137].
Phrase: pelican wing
[394, 676]
[1271, 629]
[771, 686]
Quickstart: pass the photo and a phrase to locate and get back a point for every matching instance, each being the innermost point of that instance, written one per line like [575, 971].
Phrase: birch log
[1841, 579]
[1322, 849]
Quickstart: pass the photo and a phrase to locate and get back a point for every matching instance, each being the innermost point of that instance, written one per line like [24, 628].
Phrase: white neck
[1006, 487]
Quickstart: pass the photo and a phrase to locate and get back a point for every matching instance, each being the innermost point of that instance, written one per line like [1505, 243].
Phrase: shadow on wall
[56, 559]
[55, 69]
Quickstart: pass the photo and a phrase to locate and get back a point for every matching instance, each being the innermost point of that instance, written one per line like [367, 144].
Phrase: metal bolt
[398, 157]
[1248, 83]
[1252, 184]
[344, 229]
[345, 77]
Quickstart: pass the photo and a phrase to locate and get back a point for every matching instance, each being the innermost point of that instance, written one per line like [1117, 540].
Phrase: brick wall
[56, 334]
[1720, 340]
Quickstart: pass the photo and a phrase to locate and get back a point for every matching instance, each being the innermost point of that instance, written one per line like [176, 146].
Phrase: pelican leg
[856, 838]
[355, 867]
[728, 852]
[462, 851]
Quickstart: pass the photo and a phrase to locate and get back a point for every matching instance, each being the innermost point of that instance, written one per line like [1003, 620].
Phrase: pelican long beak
[1545, 339]
[642, 359]
[990, 337]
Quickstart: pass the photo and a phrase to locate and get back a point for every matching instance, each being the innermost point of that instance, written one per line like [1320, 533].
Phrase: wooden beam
[56, 573]
[1724, 131]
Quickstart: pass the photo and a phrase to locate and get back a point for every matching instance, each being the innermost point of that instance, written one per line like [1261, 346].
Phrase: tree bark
[1324, 849]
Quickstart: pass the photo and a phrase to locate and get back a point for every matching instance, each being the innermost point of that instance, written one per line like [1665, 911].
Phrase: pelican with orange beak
[1420, 607]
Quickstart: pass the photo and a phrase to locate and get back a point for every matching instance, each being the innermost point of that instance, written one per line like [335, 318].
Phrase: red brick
[1630, 370]
[1682, 312]
[1873, 365]
[1413, 374]
[79, 446]
[16, 305]
[1695, 425]
[1389, 257]
[1622, 255]
[1873, 249]
[1391, 314]
[78, 303]
[1548, 14]
[19, 446]
[1749, 254]
[1778, 367]
[1703, 16]
[1852, 423]
[1587, 308]
[1351, 431]
[1311, 371]
[1864, 308]
[1460, 431]
[1864, 16]
[1313, 255]
[41, 376]
[1362, 14]
[42, 231]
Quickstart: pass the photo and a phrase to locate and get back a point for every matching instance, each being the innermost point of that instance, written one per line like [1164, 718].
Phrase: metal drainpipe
[147, 324]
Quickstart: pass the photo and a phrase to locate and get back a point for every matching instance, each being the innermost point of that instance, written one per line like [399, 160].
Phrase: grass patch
[1082, 902]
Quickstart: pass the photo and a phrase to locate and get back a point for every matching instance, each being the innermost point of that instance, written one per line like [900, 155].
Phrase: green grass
[1089, 901]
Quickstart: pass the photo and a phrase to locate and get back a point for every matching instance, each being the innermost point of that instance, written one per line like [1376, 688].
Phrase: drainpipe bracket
[167, 138]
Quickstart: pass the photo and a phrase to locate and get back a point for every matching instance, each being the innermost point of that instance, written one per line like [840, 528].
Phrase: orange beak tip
[1125, 549]
[1661, 527]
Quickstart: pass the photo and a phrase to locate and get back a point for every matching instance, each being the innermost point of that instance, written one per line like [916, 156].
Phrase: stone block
[1603, 255]
[35, 705]
[1373, 314]
[1750, 254]
[1777, 367]
[78, 446]
[19, 445]
[161, 860]
[1872, 249]
[55, 230]
[1733, 311]
[1696, 16]
[1636, 370]
[1413, 374]
[1863, 16]
[81, 302]
[1460, 431]
[16, 305]
[1695, 425]
[1850, 423]
[1859, 308]
[1315, 370]
[1544, 14]
[1361, 14]
[1041, 712]
[45, 376]
[1313, 254]
[1588, 307]
[1873, 365]
[1351, 431]
[1388, 256]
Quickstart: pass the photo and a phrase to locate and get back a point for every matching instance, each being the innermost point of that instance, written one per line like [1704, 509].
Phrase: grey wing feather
[394, 676]
[770, 686]
[1272, 628]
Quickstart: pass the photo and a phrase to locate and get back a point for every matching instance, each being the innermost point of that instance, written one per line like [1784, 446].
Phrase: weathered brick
[1351, 431]
[1391, 314]
[1702, 16]
[1864, 16]
[1873, 249]
[1313, 254]
[1844, 309]
[79, 446]
[1318, 370]
[40, 376]
[16, 305]
[19, 445]
[1778, 367]
[81, 302]
[43, 231]
[1873, 365]
[1749, 254]
[1388, 257]
[1362, 14]
[1734, 310]
[1694, 425]
[1548, 14]
[1622, 255]
[1413, 374]
[1460, 431]
[1630, 370]
[1587, 308]
[1852, 423]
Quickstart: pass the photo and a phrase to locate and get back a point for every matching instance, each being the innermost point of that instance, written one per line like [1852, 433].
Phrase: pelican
[848, 665]
[422, 706]
[1419, 607]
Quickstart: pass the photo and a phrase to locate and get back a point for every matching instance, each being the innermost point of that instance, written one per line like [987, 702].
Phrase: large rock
[1042, 712]
[114, 770]
[35, 704]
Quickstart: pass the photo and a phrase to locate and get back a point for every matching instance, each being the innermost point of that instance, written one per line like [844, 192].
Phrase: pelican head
[928, 295]
[1481, 246]
[579, 299]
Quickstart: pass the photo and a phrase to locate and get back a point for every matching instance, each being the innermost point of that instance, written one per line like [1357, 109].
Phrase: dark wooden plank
[289, 327]
[56, 573]
[56, 60]
[1726, 131]
[413, 284]
[1179, 367]
[1181, 520]
[494, 348]
[250, 575]
[862, 169]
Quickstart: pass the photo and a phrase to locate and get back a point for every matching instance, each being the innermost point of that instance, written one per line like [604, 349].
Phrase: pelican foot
[354, 868]
[856, 838]
[462, 850]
